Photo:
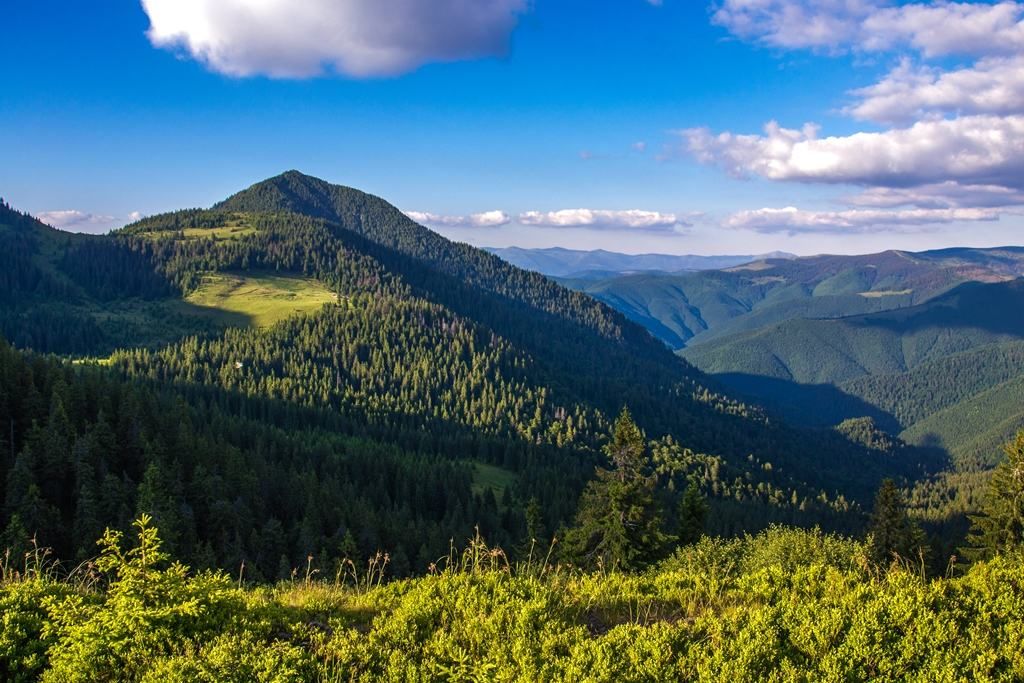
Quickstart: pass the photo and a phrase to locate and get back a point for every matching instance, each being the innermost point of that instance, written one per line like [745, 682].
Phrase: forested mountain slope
[946, 374]
[391, 340]
[52, 301]
[693, 308]
[836, 351]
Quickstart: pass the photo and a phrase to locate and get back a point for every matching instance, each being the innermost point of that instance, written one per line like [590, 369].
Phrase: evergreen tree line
[580, 352]
[232, 478]
[83, 450]
[429, 352]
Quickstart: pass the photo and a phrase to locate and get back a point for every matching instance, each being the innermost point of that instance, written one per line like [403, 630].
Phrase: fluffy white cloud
[946, 195]
[289, 39]
[795, 24]
[793, 220]
[596, 218]
[933, 28]
[955, 149]
[485, 219]
[967, 150]
[73, 219]
[938, 29]
[992, 86]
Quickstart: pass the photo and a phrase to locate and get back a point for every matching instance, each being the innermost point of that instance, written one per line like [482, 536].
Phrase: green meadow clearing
[263, 299]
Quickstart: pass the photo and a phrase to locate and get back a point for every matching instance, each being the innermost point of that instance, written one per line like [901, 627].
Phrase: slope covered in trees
[836, 351]
[431, 359]
[686, 309]
[905, 367]
[77, 294]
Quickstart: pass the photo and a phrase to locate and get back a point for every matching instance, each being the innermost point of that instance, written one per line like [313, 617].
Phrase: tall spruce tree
[619, 522]
[693, 513]
[1000, 526]
[893, 534]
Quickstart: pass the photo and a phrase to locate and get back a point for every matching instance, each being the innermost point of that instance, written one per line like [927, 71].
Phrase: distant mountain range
[920, 371]
[596, 264]
[683, 309]
[930, 345]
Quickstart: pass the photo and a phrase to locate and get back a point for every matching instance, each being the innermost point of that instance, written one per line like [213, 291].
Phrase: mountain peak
[296, 192]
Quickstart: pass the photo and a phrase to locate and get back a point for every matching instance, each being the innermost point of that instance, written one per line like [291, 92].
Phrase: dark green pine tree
[1000, 526]
[618, 522]
[536, 542]
[893, 534]
[156, 499]
[693, 514]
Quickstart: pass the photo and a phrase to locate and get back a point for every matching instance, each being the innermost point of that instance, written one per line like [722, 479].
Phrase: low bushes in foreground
[785, 605]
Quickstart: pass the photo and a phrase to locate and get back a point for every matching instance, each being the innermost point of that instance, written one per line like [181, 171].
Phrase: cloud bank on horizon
[484, 219]
[602, 219]
[75, 220]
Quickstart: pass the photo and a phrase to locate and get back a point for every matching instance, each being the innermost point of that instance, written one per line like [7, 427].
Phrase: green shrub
[147, 612]
[236, 659]
[23, 620]
[785, 605]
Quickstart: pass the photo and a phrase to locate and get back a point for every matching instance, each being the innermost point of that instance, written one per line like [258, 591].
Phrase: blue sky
[624, 125]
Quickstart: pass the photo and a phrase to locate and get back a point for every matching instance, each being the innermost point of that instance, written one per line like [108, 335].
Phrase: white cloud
[795, 24]
[73, 219]
[934, 28]
[946, 195]
[955, 151]
[485, 219]
[639, 146]
[992, 86]
[596, 218]
[793, 220]
[968, 150]
[948, 28]
[289, 39]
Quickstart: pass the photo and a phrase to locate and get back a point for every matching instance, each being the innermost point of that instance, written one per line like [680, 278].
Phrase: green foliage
[785, 605]
[234, 658]
[1000, 524]
[693, 514]
[893, 536]
[24, 635]
[147, 610]
[619, 523]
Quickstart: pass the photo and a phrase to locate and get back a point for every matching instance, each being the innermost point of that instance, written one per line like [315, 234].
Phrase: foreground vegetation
[783, 605]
